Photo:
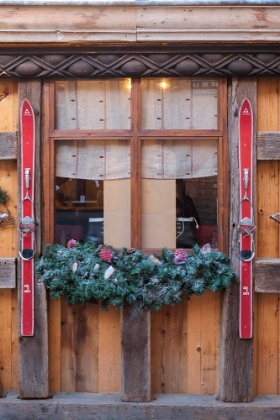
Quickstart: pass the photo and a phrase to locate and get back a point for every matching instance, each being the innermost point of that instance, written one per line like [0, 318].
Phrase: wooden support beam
[7, 273]
[8, 145]
[268, 145]
[33, 351]
[236, 355]
[136, 355]
[267, 275]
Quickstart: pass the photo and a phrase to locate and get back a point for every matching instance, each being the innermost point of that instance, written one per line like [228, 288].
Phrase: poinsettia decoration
[86, 273]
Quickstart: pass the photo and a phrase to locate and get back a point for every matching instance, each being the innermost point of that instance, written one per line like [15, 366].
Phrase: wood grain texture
[68, 23]
[203, 343]
[79, 348]
[169, 349]
[7, 273]
[33, 351]
[267, 275]
[8, 145]
[266, 333]
[236, 355]
[135, 355]
[84, 24]
[268, 145]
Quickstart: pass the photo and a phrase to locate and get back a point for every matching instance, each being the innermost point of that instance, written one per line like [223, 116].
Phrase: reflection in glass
[179, 193]
[92, 192]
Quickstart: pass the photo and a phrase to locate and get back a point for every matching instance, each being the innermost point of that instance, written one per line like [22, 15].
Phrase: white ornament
[96, 267]
[110, 270]
[74, 267]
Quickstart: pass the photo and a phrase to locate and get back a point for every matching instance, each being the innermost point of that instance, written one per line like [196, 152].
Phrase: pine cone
[106, 254]
[129, 251]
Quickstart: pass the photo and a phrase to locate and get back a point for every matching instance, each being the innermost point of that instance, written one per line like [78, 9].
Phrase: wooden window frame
[136, 136]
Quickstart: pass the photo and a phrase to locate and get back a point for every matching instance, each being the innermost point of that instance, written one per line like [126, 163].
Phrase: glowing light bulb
[163, 84]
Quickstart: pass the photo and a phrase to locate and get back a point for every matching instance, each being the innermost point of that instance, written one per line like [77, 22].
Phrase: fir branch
[134, 276]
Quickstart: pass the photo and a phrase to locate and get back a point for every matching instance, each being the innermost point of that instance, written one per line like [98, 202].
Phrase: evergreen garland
[4, 196]
[78, 273]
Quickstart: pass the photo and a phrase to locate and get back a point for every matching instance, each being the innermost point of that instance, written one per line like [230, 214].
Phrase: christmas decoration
[6, 218]
[106, 254]
[180, 256]
[131, 276]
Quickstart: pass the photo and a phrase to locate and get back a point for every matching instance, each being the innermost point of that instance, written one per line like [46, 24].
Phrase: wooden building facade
[55, 55]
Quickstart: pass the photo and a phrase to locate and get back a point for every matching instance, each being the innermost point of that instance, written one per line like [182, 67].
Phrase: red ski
[246, 227]
[27, 222]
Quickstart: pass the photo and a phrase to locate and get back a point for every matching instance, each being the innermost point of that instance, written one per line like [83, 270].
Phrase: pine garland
[79, 273]
[4, 196]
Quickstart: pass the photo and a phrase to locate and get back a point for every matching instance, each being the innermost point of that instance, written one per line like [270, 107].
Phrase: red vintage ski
[27, 222]
[246, 226]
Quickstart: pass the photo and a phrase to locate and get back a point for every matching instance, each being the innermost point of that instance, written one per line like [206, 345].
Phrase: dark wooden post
[33, 351]
[136, 355]
[236, 357]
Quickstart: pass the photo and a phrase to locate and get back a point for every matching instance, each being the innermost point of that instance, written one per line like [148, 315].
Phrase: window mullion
[135, 165]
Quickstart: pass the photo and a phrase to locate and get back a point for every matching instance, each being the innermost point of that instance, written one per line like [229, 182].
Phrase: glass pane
[179, 193]
[93, 104]
[88, 206]
[178, 103]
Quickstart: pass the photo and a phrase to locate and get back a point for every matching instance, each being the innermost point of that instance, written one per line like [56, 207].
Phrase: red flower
[71, 243]
[180, 256]
[106, 254]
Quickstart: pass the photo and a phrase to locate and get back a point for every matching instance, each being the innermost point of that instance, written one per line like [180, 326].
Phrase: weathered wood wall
[8, 241]
[84, 342]
[267, 333]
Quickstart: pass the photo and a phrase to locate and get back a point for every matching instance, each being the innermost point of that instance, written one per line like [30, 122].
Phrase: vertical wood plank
[136, 355]
[15, 343]
[5, 338]
[169, 351]
[236, 361]
[267, 322]
[135, 331]
[54, 316]
[109, 351]
[8, 245]
[79, 347]
[33, 351]
[203, 343]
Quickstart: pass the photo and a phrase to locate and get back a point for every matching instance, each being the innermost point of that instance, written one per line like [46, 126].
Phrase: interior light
[163, 84]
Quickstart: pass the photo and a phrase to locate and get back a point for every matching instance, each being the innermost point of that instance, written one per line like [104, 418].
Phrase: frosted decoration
[179, 103]
[181, 159]
[93, 104]
[96, 160]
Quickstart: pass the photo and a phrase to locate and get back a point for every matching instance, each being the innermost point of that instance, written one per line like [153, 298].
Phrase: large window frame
[136, 135]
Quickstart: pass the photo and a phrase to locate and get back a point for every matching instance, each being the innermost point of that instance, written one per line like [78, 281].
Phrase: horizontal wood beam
[7, 273]
[267, 275]
[88, 23]
[268, 145]
[8, 145]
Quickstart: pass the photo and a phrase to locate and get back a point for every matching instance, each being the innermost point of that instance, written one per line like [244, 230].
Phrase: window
[138, 163]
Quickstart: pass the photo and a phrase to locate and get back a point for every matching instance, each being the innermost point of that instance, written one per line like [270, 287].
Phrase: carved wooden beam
[134, 63]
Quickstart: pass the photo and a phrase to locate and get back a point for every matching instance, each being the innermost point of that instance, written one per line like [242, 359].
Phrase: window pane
[92, 199]
[93, 104]
[176, 103]
[179, 193]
